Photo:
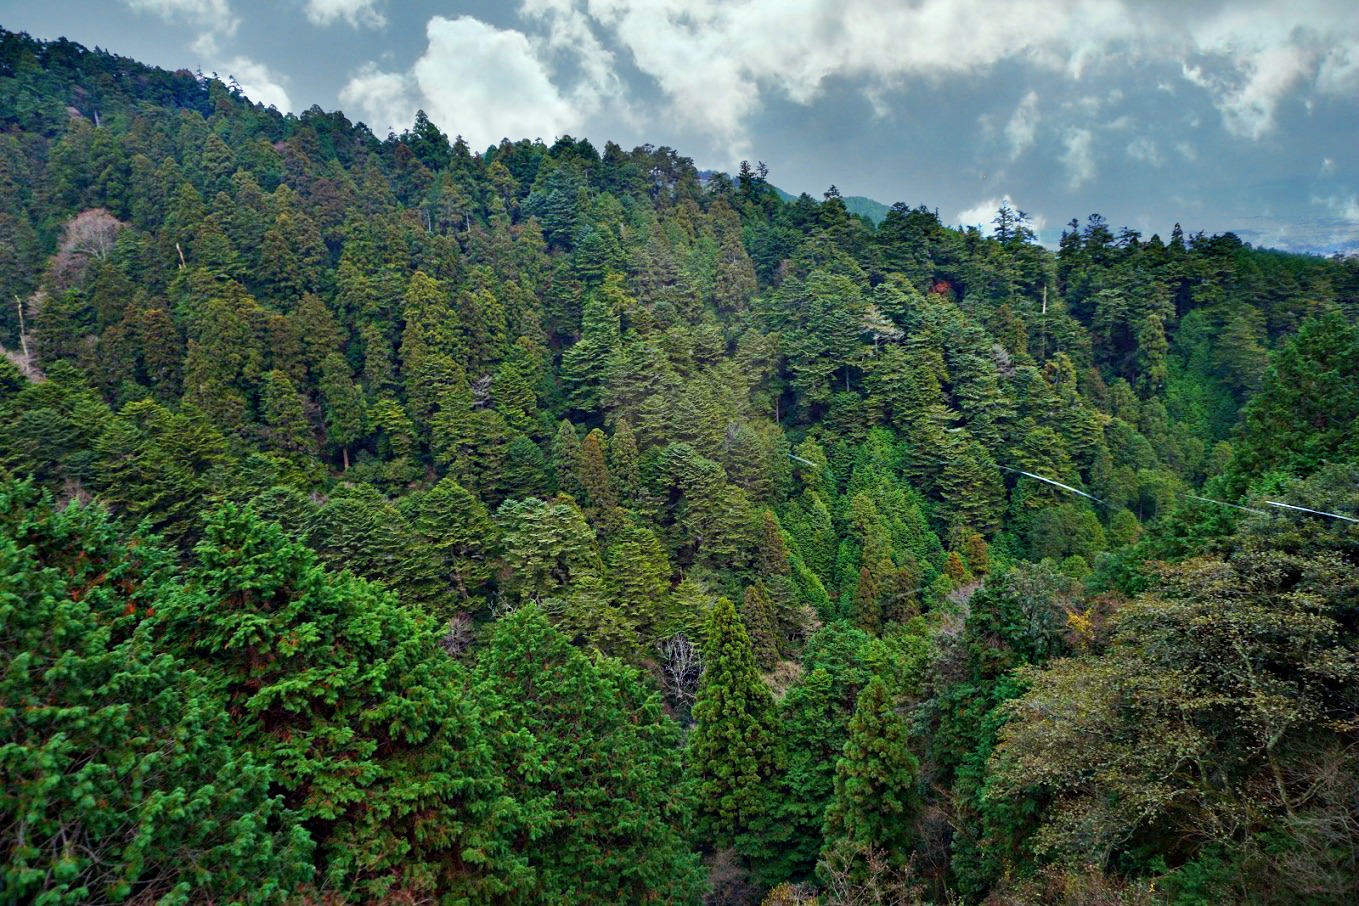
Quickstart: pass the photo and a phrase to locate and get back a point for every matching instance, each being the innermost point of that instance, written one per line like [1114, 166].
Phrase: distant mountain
[855, 204]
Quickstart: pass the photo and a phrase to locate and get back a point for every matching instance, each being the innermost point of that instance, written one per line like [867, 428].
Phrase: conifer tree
[812, 727]
[360, 530]
[460, 535]
[113, 743]
[526, 470]
[285, 421]
[867, 605]
[585, 365]
[639, 585]
[347, 694]
[734, 746]
[588, 751]
[566, 459]
[596, 481]
[757, 613]
[772, 556]
[548, 548]
[623, 466]
[341, 404]
[875, 801]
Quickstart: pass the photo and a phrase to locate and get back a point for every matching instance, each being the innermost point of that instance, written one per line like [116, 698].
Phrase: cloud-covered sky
[1217, 114]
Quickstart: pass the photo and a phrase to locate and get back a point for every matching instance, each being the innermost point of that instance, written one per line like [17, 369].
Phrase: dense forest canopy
[387, 520]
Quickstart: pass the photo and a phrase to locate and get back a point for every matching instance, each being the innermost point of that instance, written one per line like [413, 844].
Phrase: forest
[388, 520]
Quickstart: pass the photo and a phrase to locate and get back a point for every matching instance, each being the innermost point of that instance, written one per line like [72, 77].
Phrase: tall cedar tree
[876, 801]
[734, 749]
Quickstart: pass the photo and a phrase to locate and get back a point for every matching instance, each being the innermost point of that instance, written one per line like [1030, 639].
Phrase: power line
[1067, 487]
[1234, 506]
[1289, 506]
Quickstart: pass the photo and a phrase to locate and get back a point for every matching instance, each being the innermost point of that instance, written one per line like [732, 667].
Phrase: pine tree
[1306, 412]
[867, 606]
[875, 801]
[813, 730]
[623, 466]
[596, 481]
[639, 585]
[548, 547]
[566, 460]
[585, 365]
[285, 421]
[459, 534]
[526, 470]
[360, 530]
[772, 557]
[734, 746]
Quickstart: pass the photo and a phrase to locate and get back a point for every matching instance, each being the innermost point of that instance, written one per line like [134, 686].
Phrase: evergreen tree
[596, 481]
[1305, 415]
[114, 752]
[875, 801]
[566, 459]
[341, 404]
[364, 718]
[460, 535]
[757, 613]
[734, 746]
[285, 421]
[623, 465]
[590, 754]
[813, 731]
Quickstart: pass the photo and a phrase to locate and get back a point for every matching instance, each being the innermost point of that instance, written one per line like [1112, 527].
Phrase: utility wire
[1234, 506]
[1067, 487]
[1289, 506]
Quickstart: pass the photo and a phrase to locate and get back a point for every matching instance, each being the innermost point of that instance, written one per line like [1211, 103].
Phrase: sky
[1218, 115]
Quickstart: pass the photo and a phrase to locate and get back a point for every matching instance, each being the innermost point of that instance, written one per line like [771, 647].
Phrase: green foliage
[733, 750]
[123, 777]
[348, 696]
[380, 343]
[875, 799]
[596, 765]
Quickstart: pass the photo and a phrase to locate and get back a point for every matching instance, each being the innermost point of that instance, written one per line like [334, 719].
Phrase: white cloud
[487, 83]
[980, 214]
[1023, 125]
[212, 15]
[1079, 156]
[215, 23]
[571, 38]
[1145, 150]
[983, 212]
[356, 12]
[715, 61]
[1250, 56]
[258, 82]
[716, 64]
[1344, 207]
[383, 100]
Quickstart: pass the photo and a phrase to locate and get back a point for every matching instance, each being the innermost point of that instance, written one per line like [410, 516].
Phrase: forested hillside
[383, 519]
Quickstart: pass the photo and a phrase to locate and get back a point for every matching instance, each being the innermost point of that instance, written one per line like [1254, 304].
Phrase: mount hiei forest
[393, 521]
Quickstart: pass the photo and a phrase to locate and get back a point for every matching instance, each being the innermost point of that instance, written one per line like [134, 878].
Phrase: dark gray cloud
[1222, 115]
